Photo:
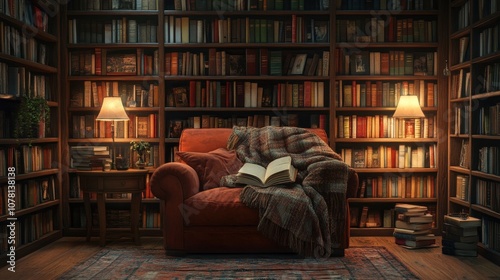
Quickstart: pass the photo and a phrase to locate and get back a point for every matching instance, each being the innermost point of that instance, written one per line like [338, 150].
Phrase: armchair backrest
[205, 140]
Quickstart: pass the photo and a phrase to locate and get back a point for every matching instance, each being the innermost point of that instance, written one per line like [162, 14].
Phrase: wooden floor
[53, 260]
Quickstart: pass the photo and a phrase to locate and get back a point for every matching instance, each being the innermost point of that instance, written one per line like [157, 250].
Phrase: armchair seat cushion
[219, 207]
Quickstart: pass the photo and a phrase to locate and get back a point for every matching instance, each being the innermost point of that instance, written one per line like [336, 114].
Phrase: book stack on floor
[460, 236]
[413, 226]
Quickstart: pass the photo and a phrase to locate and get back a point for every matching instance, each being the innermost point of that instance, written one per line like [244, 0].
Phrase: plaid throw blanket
[300, 215]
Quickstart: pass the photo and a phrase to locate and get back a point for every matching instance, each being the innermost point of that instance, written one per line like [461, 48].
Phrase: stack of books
[89, 157]
[460, 236]
[413, 226]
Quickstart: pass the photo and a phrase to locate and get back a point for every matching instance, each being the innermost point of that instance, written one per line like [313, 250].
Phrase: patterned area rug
[136, 263]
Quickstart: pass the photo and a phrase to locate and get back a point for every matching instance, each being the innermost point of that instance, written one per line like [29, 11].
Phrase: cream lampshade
[112, 110]
[408, 108]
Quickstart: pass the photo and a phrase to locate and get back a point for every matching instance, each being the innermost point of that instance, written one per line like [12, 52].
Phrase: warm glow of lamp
[112, 110]
[408, 108]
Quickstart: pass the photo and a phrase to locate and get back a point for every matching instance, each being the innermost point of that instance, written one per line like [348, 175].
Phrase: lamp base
[410, 128]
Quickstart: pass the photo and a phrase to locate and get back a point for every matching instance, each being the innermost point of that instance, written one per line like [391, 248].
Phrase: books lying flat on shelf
[426, 218]
[409, 208]
[459, 245]
[410, 244]
[467, 231]
[459, 252]
[458, 238]
[414, 237]
[413, 226]
[278, 171]
[411, 231]
[458, 221]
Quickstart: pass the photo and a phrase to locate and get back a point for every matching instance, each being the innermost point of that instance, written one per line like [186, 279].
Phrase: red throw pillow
[211, 166]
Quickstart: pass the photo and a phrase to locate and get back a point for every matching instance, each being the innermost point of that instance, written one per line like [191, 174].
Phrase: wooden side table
[115, 181]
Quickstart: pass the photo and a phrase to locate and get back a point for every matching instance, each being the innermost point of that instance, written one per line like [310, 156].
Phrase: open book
[278, 171]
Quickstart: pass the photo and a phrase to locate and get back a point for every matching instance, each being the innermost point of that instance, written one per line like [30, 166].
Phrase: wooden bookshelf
[382, 50]
[112, 48]
[474, 104]
[30, 182]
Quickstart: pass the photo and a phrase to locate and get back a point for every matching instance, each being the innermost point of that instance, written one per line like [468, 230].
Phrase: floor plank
[53, 260]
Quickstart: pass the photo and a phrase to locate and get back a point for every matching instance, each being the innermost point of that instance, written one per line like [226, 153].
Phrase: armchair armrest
[174, 182]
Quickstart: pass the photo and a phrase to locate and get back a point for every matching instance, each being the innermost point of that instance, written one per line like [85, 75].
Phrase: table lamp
[408, 108]
[112, 110]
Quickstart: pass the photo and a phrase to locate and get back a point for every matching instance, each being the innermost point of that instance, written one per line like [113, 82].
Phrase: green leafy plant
[31, 112]
[140, 147]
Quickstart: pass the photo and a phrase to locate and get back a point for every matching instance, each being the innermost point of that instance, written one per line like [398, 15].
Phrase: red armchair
[214, 220]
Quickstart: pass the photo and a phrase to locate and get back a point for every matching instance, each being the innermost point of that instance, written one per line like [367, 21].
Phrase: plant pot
[140, 163]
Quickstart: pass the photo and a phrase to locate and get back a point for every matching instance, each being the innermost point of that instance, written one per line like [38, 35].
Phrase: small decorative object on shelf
[141, 147]
[121, 163]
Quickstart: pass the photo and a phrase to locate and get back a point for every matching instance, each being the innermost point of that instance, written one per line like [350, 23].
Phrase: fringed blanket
[300, 215]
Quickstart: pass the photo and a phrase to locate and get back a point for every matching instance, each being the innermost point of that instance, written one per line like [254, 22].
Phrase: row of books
[107, 31]
[16, 42]
[383, 126]
[17, 81]
[365, 216]
[100, 61]
[390, 29]
[488, 120]
[28, 194]
[488, 160]
[393, 186]
[92, 93]
[28, 229]
[296, 29]
[491, 79]
[385, 94]
[488, 194]
[463, 18]
[26, 11]
[117, 218]
[256, 120]
[487, 7]
[413, 226]
[241, 94]
[461, 119]
[249, 5]
[460, 84]
[252, 62]
[490, 229]
[396, 5]
[26, 158]
[99, 5]
[462, 187]
[393, 63]
[460, 235]
[489, 40]
[138, 126]
[404, 156]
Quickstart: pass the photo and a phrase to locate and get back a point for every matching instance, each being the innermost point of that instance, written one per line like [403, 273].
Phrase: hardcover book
[278, 171]
[464, 223]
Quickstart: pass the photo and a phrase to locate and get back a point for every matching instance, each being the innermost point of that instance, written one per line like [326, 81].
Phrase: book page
[254, 170]
[278, 165]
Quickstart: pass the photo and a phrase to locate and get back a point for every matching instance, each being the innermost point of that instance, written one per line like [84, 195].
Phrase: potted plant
[33, 115]
[142, 148]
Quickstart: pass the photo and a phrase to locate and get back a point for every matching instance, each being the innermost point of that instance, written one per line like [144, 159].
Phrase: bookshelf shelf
[360, 39]
[475, 111]
[392, 200]
[30, 66]
[37, 33]
[34, 66]
[268, 13]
